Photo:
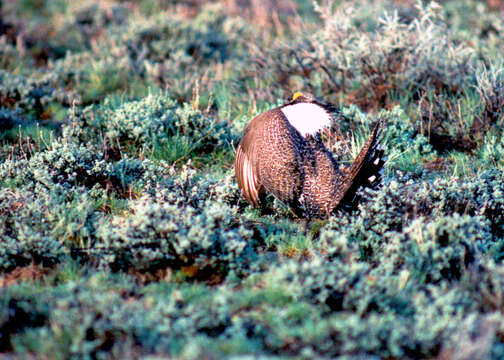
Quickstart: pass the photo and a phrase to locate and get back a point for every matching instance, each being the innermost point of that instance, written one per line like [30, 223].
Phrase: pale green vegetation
[122, 230]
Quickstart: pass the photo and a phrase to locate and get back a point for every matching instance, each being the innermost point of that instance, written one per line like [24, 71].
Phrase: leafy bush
[67, 164]
[156, 124]
[161, 49]
[176, 52]
[161, 234]
[9, 119]
[374, 65]
[405, 210]
[11, 58]
[32, 95]
[491, 90]
[26, 233]
[187, 187]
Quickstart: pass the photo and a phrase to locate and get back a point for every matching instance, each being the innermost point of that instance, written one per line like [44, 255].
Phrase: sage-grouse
[281, 153]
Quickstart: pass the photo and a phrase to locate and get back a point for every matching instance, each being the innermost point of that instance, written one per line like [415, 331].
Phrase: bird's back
[321, 180]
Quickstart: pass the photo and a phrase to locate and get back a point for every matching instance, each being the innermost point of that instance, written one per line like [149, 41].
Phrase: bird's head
[299, 97]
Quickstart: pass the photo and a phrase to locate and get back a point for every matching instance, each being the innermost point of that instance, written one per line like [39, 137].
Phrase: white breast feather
[307, 118]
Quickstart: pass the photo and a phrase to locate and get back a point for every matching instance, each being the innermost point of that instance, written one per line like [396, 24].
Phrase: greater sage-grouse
[281, 153]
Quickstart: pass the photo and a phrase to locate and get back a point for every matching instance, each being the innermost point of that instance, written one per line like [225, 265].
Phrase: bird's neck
[307, 118]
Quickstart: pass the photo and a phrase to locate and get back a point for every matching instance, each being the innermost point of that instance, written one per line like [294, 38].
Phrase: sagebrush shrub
[9, 118]
[32, 94]
[490, 86]
[385, 216]
[161, 234]
[70, 165]
[157, 121]
[26, 233]
[372, 66]
[185, 186]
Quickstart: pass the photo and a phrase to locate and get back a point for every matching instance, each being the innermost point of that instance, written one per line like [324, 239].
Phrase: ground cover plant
[122, 229]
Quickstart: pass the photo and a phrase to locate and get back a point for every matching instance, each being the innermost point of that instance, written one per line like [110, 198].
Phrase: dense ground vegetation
[122, 232]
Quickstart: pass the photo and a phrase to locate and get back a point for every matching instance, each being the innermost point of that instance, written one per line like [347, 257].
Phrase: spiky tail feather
[367, 167]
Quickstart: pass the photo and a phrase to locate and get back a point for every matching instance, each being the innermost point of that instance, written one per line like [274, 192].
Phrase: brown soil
[31, 272]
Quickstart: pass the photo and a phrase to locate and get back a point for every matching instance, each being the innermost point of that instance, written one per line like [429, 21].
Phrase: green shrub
[490, 86]
[11, 58]
[161, 234]
[70, 165]
[32, 95]
[371, 67]
[26, 232]
[9, 119]
[442, 249]
[156, 123]
[187, 187]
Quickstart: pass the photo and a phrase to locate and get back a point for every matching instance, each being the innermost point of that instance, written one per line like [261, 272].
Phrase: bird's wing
[267, 160]
[246, 177]
[366, 168]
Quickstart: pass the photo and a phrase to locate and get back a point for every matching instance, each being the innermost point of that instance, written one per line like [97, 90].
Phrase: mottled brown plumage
[273, 157]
